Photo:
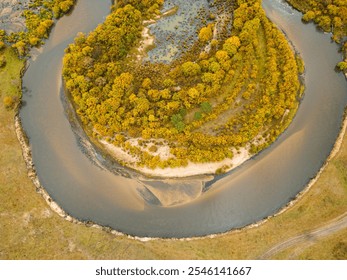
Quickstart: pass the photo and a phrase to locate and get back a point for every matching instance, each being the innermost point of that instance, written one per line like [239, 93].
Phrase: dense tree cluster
[148, 8]
[330, 16]
[38, 21]
[241, 90]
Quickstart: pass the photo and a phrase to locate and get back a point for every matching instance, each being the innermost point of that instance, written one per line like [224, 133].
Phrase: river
[80, 180]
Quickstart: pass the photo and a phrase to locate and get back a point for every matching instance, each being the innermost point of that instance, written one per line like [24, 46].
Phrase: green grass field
[30, 230]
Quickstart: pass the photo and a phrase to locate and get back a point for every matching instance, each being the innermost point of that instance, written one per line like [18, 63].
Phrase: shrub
[342, 65]
[206, 33]
[9, 102]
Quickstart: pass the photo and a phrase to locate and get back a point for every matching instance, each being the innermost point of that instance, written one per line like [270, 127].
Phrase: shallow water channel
[79, 179]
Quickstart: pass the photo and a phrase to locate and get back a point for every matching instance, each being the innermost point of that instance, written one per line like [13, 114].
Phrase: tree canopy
[242, 91]
[39, 19]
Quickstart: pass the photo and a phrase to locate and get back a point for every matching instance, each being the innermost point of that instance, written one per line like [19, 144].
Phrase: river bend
[75, 178]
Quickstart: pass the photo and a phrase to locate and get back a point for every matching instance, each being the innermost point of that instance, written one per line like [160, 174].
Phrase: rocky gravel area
[10, 15]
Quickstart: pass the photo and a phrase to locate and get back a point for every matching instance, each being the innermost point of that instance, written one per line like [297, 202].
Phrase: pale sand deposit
[191, 169]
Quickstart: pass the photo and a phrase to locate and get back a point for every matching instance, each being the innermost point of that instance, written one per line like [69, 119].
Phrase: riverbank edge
[32, 174]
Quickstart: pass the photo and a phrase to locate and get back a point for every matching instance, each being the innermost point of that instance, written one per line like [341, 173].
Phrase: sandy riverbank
[191, 169]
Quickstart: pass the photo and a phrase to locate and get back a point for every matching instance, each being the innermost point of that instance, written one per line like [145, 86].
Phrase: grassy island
[234, 89]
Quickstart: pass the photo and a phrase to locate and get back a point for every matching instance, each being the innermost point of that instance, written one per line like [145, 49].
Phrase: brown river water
[91, 188]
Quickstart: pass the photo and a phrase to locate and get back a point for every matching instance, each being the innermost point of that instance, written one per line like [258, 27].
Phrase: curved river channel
[90, 188]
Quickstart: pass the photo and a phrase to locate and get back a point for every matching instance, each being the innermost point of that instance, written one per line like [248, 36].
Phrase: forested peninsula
[233, 90]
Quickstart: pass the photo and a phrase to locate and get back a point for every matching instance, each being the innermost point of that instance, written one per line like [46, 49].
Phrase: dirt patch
[10, 15]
